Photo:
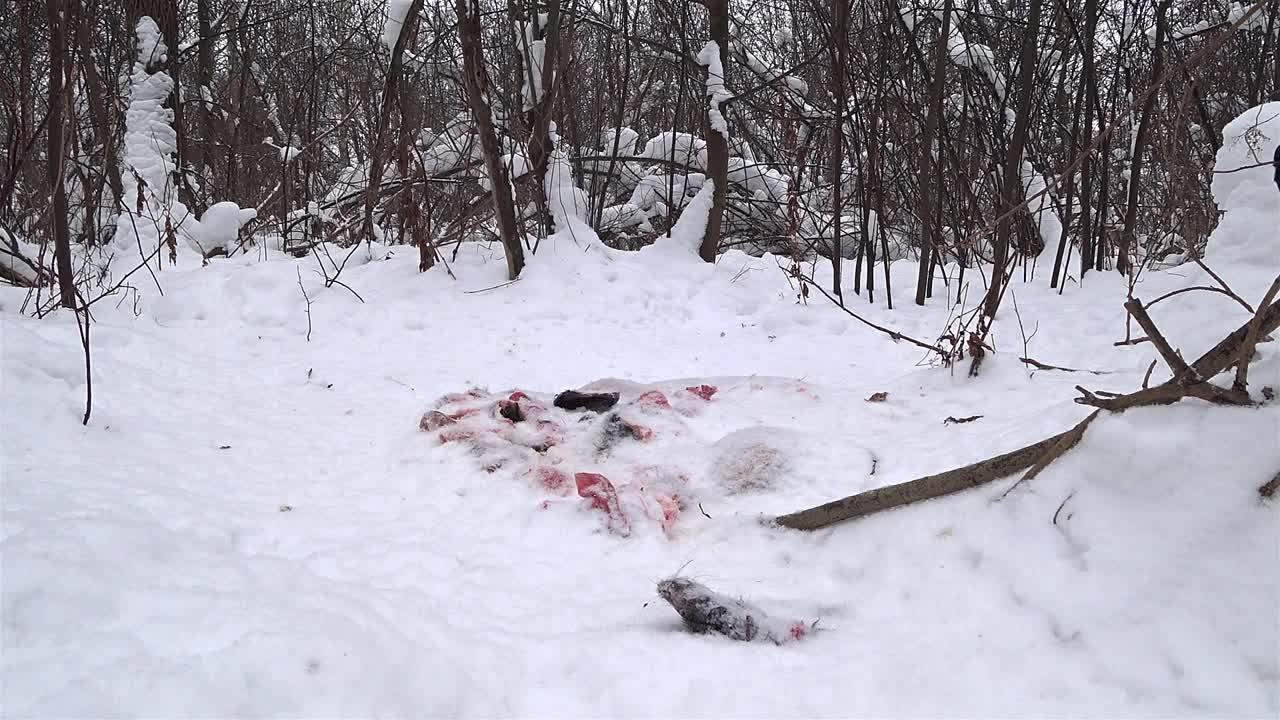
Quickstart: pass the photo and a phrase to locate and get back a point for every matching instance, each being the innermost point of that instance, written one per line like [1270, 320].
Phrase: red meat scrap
[671, 507]
[604, 497]
[703, 391]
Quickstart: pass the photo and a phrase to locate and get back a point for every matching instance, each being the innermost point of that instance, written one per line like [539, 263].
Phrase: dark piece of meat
[595, 402]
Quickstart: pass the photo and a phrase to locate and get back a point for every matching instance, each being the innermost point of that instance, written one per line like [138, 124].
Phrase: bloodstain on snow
[671, 507]
[449, 436]
[465, 412]
[653, 400]
[603, 497]
[552, 478]
[703, 391]
[515, 435]
[640, 432]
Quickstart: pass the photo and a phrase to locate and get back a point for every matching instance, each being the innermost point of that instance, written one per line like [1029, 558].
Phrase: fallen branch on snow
[933, 486]
[1188, 381]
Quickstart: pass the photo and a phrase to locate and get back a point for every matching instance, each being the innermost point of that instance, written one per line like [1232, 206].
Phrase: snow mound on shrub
[1248, 198]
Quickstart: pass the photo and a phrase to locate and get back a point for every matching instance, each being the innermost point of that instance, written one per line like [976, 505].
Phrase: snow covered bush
[147, 216]
[1247, 196]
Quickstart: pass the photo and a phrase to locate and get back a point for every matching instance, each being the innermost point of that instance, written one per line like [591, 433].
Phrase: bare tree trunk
[477, 83]
[389, 88]
[1128, 236]
[1087, 172]
[165, 15]
[839, 39]
[930, 236]
[539, 116]
[717, 143]
[203, 149]
[57, 150]
[1014, 192]
[104, 128]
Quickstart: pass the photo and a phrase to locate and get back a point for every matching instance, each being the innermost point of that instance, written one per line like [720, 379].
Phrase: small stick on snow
[1270, 487]
[1146, 379]
[1045, 366]
[308, 299]
[1064, 504]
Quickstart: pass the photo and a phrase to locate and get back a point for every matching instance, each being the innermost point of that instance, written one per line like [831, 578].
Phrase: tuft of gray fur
[706, 611]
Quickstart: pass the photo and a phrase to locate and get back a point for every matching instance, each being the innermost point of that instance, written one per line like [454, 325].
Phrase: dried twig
[1223, 284]
[1064, 504]
[1251, 339]
[1146, 379]
[308, 299]
[1045, 366]
[891, 333]
[1171, 357]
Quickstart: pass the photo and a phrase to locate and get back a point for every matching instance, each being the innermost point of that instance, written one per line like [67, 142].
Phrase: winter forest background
[349, 121]
[290, 289]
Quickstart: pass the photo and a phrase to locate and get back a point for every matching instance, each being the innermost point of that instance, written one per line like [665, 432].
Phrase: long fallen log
[1036, 455]
[1188, 381]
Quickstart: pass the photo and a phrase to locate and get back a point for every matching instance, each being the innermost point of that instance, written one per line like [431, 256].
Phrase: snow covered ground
[254, 525]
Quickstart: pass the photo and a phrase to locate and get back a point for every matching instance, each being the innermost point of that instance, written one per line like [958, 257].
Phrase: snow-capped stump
[604, 497]
[705, 611]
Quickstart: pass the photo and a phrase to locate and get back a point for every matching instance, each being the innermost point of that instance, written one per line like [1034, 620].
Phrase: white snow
[1040, 206]
[567, 202]
[691, 226]
[1248, 197]
[253, 524]
[149, 147]
[709, 57]
[220, 225]
[397, 15]
[533, 54]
